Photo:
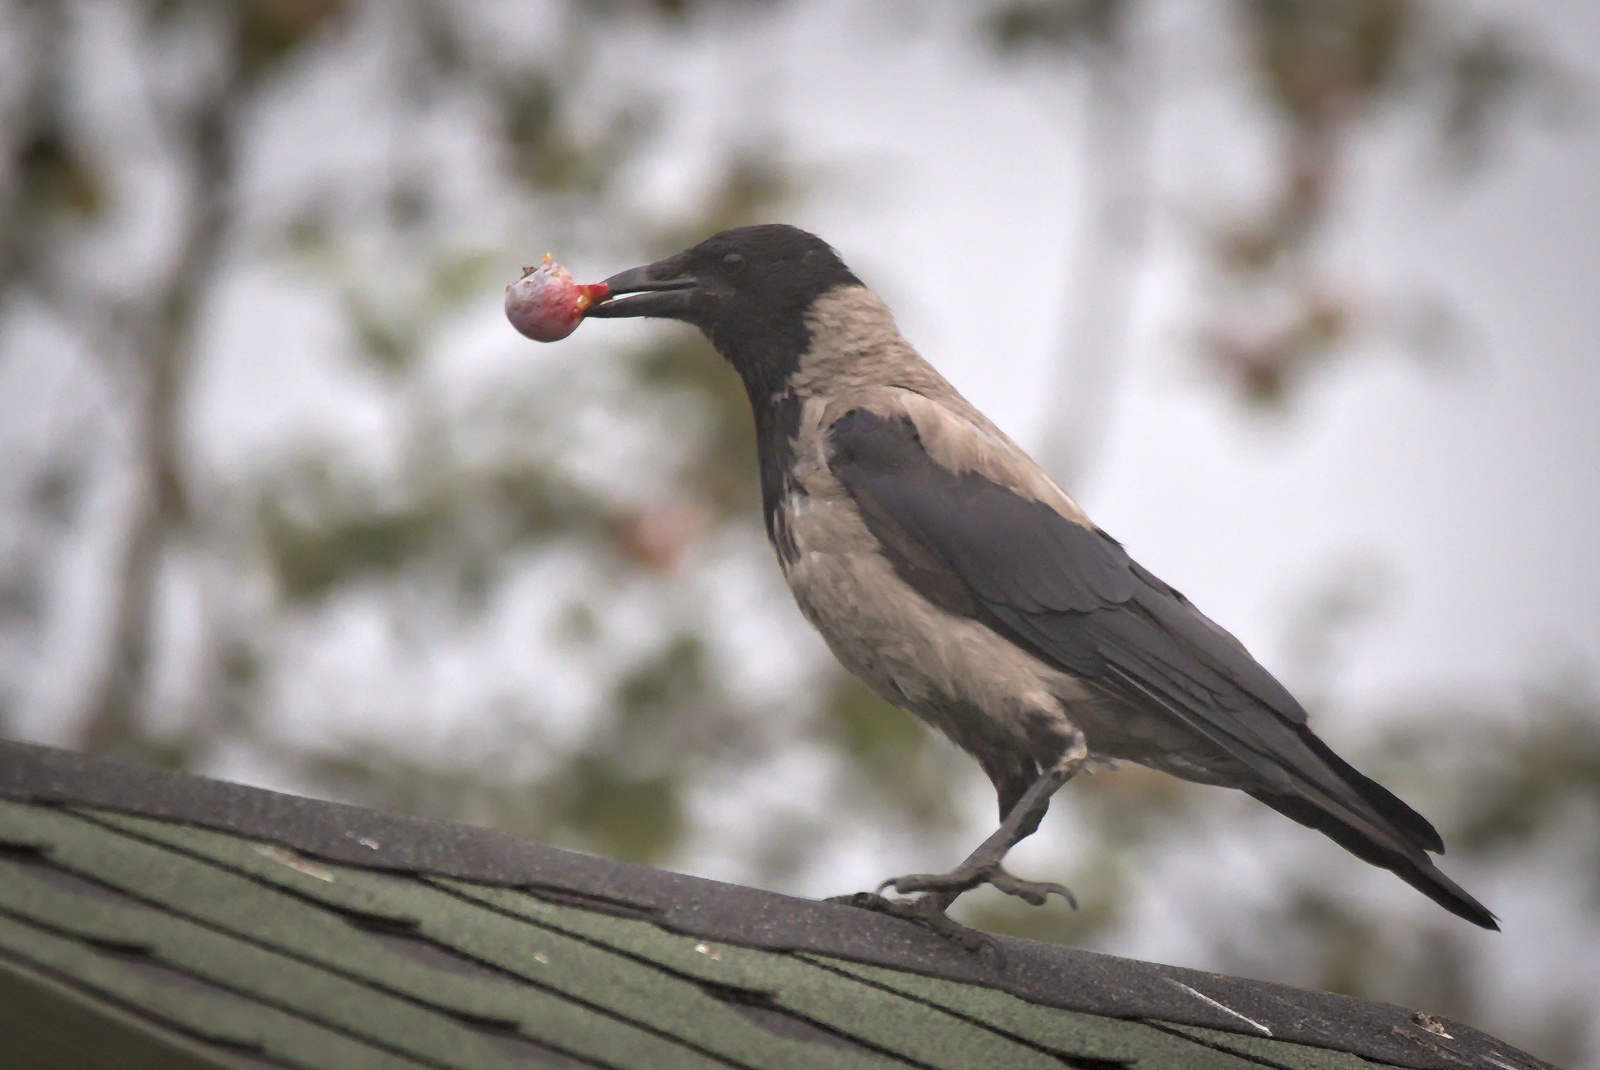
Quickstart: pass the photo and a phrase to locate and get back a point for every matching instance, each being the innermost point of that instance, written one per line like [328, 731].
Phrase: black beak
[661, 291]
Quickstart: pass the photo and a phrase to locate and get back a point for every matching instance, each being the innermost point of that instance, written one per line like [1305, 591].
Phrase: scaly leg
[983, 865]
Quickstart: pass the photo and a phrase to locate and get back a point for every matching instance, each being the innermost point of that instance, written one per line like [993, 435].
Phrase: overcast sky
[1475, 487]
[951, 186]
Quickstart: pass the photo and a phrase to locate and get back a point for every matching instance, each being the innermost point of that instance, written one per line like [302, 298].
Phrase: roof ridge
[1047, 974]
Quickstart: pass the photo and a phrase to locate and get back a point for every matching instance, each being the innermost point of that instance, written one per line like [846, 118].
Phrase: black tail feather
[1414, 867]
[1412, 825]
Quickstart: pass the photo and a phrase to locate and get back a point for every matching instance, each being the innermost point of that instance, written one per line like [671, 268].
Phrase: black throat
[766, 359]
[759, 283]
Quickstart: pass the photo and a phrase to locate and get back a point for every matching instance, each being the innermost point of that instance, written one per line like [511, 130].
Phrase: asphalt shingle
[191, 924]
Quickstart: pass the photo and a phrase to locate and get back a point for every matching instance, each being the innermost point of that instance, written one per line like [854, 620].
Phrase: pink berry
[546, 305]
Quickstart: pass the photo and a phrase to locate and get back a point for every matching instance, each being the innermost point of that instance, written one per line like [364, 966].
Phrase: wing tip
[1398, 855]
[1450, 895]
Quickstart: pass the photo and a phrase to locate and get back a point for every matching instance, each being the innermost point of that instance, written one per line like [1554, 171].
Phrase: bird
[949, 572]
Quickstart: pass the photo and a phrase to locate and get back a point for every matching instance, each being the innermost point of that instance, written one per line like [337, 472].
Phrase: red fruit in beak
[546, 305]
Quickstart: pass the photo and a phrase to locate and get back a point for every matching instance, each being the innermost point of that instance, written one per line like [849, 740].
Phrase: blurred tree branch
[1322, 72]
[595, 516]
[162, 367]
[1325, 71]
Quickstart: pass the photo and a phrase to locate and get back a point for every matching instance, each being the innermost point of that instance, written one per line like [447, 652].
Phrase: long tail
[1385, 832]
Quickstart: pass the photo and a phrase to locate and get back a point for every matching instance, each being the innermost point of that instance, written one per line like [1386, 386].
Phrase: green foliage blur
[487, 490]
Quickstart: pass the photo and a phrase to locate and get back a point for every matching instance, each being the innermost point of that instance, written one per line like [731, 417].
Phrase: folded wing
[1070, 595]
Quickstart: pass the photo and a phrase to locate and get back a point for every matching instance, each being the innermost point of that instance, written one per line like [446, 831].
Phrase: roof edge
[1047, 974]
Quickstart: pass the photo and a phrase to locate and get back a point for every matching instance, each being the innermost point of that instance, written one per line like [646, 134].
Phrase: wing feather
[1069, 594]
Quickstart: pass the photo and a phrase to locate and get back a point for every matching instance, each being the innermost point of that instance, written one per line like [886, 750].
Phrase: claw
[928, 912]
[961, 880]
[896, 908]
[1034, 892]
[952, 884]
[911, 882]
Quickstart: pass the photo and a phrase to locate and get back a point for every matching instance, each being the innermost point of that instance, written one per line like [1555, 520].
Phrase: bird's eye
[734, 260]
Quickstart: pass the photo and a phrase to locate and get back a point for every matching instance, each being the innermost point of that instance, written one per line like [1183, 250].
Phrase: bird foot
[927, 911]
[964, 878]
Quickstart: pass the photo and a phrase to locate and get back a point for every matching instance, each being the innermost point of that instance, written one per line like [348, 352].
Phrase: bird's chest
[872, 622]
[911, 652]
[846, 588]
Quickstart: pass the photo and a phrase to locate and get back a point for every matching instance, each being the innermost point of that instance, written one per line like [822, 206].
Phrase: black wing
[1070, 595]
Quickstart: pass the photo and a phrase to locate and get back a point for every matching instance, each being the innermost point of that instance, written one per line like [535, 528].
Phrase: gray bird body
[949, 572]
[1006, 707]
[952, 671]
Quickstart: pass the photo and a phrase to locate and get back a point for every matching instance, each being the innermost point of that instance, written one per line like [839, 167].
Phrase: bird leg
[983, 865]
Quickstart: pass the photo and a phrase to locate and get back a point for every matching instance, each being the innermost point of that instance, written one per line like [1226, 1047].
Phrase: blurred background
[1298, 297]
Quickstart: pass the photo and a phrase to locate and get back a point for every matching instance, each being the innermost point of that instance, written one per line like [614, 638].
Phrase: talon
[911, 882]
[927, 911]
[1034, 892]
[906, 910]
[854, 899]
[951, 884]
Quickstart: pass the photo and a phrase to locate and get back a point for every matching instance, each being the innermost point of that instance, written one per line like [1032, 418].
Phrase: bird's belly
[953, 672]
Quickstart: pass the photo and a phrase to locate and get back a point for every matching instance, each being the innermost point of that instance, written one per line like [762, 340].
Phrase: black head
[747, 288]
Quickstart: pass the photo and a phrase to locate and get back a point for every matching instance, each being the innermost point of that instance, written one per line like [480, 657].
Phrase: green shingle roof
[152, 919]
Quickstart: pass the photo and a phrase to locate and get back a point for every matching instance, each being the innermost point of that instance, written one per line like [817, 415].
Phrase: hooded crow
[952, 575]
